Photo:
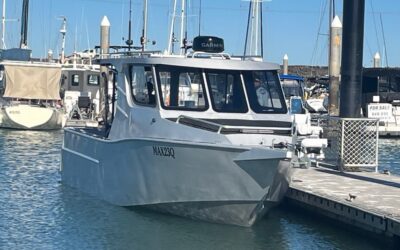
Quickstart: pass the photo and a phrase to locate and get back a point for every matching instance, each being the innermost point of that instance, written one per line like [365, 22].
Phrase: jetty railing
[352, 143]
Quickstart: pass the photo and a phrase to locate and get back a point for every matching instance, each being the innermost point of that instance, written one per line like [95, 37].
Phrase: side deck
[370, 201]
[96, 132]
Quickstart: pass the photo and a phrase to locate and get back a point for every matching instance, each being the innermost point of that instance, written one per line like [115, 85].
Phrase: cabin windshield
[227, 94]
[291, 88]
[264, 92]
[183, 88]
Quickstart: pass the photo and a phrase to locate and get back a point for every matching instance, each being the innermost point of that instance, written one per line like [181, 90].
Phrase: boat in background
[80, 88]
[30, 96]
[381, 99]
[317, 96]
[308, 135]
[80, 85]
[29, 90]
[293, 86]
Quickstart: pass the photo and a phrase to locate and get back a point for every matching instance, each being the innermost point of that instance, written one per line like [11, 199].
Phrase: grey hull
[234, 213]
[224, 184]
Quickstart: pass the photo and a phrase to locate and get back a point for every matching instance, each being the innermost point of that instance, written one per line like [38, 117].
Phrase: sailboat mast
[24, 24]
[3, 26]
[171, 32]
[254, 34]
[63, 31]
[257, 28]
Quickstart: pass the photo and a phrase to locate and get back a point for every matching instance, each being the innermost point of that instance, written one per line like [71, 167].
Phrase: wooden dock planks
[367, 200]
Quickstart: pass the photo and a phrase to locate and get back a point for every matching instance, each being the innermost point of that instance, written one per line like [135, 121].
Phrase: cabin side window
[181, 89]
[75, 80]
[227, 94]
[264, 92]
[93, 79]
[142, 84]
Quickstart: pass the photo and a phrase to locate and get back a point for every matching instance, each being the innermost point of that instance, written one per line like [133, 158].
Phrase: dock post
[334, 65]
[104, 37]
[285, 64]
[377, 60]
[104, 53]
[352, 58]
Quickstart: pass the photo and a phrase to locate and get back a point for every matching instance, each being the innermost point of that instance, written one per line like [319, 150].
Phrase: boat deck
[97, 132]
[367, 200]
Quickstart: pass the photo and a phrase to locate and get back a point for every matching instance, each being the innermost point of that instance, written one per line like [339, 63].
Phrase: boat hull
[30, 117]
[224, 184]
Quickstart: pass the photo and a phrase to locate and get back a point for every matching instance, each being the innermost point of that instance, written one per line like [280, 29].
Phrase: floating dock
[367, 200]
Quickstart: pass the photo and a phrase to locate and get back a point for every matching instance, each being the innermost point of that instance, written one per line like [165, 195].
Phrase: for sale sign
[381, 111]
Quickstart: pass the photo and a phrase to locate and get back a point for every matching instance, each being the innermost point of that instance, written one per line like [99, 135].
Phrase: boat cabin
[80, 90]
[293, 88]
[204, 90]
[382, 82]
[214, 94]
[292, 85]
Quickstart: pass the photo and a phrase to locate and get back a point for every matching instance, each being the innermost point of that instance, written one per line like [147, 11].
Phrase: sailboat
[29, 91]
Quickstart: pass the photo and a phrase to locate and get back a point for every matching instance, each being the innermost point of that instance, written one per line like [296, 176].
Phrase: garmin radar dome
[208, 44]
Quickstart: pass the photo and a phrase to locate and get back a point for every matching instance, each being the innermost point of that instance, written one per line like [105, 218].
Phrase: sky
[297, 28]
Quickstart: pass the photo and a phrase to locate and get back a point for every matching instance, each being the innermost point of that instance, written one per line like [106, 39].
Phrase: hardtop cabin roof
[291, 77]
[376, 72]
[205, 63]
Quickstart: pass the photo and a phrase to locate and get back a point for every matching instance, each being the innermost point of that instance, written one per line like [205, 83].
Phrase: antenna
[182, 26]
[185, 40]
[384, 41]
[261, 29]
[3, 25]
[129, 42]
[63, 31]
[143, 39]
[171, 38]
[200, 17]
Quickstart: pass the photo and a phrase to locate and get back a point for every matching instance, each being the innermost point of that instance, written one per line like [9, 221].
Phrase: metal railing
[228, 129]
[353, 143]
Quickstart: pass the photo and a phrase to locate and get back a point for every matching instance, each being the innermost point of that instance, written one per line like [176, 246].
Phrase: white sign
[381, 111]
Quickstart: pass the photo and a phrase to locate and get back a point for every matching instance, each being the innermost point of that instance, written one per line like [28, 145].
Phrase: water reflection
[38, 212]
[389, 157]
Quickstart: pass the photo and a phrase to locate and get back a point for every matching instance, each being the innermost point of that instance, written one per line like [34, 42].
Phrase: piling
[377, 60]
[50, 55]
[334, 65]
[104, 37]
[104, 53]
[352, 57]
[285, 64]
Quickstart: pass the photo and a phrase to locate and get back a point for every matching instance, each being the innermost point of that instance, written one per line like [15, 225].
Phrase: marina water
[38, 212]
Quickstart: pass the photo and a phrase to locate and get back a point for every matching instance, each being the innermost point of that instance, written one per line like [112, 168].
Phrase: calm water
[38, 212]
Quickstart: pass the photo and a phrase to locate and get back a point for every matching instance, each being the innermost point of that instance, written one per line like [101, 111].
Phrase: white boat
[80, 85]
[309, 141]
[214, 159]
[30, 96]
[381, 99]
[29, 90]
